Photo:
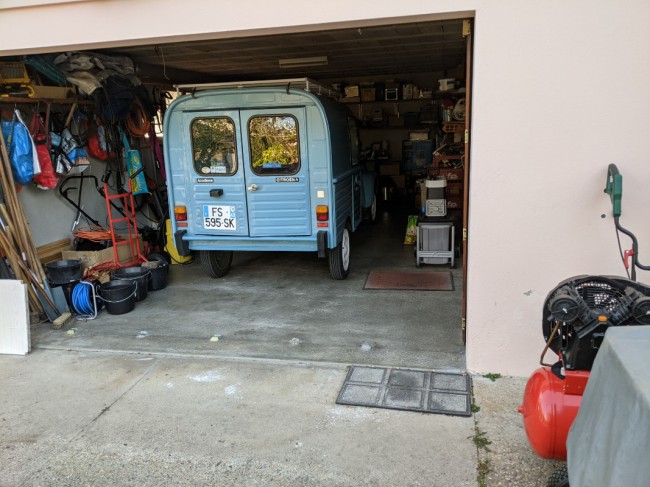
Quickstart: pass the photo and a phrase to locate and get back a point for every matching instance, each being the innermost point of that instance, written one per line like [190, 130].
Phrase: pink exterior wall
[560, 91]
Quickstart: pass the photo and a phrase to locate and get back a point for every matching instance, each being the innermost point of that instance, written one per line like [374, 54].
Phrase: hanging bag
[47, 179]
[157, 152]
[137, 182]
[98, 146]
[35, 164]
[19, 146]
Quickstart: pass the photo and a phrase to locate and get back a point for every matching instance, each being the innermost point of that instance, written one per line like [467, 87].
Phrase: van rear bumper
[265, 244]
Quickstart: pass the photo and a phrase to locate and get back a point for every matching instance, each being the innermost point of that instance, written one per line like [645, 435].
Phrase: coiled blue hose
[81, 301]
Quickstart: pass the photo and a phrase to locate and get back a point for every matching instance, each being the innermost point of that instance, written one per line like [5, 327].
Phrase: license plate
[219, 217]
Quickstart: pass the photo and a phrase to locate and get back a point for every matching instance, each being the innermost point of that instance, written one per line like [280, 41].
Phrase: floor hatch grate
[407, 389]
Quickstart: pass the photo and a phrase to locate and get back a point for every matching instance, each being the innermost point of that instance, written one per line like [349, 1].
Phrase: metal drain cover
[407, 389]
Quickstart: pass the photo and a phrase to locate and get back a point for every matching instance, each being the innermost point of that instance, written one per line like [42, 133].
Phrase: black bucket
[118, 296]
[137, 274]
[62, 272]
[158, 279]
[162, 258]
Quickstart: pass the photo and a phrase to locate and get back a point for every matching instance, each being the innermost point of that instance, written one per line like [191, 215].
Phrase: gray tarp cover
[609, 441]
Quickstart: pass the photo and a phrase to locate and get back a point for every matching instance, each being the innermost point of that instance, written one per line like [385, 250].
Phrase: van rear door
[248, 172]
[215, 175]
[276, 167]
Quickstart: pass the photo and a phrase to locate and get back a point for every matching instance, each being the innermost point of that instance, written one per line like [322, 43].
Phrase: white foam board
[14, 318]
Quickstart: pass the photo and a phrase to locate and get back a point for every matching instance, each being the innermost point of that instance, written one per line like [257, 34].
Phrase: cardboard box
[391, 169]
[367, 93]
[407, 91]
[89, 258]
[419, 135]
[351, 91]
[53, 92]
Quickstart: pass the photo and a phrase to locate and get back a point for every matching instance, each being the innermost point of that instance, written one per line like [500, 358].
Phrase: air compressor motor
[577, 313]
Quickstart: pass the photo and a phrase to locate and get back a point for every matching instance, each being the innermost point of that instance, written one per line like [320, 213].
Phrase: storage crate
[452, 174]
[455, 202]
[89, 258]
[436, 239]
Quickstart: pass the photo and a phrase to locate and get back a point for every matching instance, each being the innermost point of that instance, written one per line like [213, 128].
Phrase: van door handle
[215, 193]
[252, 187]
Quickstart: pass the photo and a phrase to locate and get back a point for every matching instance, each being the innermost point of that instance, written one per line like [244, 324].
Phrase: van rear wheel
[373, 209]
[339, 257]
[216, 263]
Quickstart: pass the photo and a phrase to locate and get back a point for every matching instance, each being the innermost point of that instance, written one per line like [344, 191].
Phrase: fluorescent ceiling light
[301, 62]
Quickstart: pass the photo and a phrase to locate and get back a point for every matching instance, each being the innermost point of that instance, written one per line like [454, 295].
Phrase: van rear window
[213, 146]
[274, 147]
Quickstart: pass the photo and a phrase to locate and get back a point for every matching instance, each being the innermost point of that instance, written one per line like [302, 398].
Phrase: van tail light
[180, 214]
[322, 215]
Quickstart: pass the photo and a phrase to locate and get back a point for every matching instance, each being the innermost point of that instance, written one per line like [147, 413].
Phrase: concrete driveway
[93, 418]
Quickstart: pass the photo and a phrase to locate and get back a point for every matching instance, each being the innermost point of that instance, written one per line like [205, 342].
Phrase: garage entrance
[407, 85]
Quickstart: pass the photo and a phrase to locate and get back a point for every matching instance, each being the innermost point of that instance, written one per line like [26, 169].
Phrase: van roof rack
[305, 84]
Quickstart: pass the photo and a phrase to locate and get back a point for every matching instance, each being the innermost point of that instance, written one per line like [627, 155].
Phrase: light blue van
[264, 168]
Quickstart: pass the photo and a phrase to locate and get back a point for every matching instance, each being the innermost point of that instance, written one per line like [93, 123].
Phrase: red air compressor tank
[550, 406]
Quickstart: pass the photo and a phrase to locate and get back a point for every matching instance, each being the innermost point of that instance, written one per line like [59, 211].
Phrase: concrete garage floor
[284, 306]
[147, 399]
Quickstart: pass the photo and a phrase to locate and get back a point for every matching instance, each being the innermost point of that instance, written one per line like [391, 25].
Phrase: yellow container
[13, 74]
[170, 248]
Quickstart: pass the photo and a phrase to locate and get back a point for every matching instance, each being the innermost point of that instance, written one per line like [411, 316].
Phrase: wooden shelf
[53, 101]
[357, 101]
[450, 94]
[414, 128]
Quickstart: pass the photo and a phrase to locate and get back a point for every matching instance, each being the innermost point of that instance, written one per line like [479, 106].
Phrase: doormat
[407, 390]
[410, 281]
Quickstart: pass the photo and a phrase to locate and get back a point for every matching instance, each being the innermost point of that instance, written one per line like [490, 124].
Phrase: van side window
[273, 141]
[213, 146]
[353, 131]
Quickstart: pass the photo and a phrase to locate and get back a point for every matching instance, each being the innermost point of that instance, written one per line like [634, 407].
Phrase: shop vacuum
[575, 318]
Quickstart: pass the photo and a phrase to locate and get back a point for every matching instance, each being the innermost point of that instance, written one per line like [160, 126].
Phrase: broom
[16, 242]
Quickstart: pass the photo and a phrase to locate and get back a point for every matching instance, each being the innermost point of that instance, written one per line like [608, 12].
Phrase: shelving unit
[451, 168]
[15, 100]
[395, 114]
[392, 120]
